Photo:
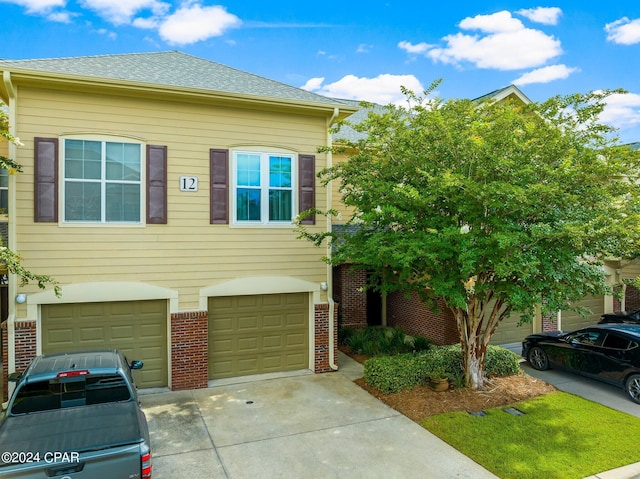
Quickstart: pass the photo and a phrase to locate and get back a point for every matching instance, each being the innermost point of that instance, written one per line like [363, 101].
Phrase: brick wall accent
[550, 323]
[415, 317]
[631, 298]
[189, 350]
[347, 290]
[25, 344]
[321, 352]
[5, 361]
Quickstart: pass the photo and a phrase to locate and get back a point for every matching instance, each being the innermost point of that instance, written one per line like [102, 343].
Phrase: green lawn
[560, 436]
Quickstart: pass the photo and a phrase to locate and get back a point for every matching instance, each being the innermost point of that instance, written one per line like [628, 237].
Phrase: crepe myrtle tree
[7, 257]
[493, 207]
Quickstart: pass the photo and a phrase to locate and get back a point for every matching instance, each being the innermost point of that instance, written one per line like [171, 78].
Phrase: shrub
[391, 374]
[375, 341]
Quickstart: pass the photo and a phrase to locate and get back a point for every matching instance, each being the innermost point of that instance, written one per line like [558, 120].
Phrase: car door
[577, 352]
[613, 357]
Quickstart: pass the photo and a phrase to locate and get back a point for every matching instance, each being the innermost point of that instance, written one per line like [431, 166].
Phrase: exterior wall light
[323, 286]
[21, 298]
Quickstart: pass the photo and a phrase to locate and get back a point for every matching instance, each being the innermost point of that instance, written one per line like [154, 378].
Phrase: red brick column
[549, 323]
[321, 352]
[631, 298]
[25, 347]
[189, 350]
[5, 361]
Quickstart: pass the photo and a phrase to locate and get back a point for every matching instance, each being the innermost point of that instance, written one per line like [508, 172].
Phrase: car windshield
[59, 393]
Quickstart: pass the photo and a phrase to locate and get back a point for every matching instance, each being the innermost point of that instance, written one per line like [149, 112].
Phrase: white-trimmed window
[264, 187]
[102, 181]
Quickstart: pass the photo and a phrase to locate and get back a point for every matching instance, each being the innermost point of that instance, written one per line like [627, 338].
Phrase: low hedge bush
[391, 374]
[375, 341]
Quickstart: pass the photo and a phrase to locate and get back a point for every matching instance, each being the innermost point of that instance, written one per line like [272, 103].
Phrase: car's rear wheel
[632, 387]
[538, 358]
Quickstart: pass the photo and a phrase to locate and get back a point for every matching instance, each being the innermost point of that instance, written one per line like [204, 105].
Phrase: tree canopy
[494, 207]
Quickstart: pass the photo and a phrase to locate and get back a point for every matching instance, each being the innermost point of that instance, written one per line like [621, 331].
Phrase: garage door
[572, 320]
[258, 334]
[138, 328]
[510, 332]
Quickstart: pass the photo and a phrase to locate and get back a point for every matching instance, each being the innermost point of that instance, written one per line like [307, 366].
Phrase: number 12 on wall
[188, 183]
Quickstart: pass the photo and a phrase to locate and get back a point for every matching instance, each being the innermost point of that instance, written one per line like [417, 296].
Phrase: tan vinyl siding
[187, 253]
[336, 198]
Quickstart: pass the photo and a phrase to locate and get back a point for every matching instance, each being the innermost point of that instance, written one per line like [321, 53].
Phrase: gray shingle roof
[347, 132]
[172, 68]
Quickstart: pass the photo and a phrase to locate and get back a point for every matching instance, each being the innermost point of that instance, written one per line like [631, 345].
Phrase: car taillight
[69, 374]
[145, 465]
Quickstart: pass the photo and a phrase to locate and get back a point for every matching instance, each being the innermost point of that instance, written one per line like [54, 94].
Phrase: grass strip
[560, 436]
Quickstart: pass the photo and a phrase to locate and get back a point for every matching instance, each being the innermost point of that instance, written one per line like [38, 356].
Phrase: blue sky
[362, 50]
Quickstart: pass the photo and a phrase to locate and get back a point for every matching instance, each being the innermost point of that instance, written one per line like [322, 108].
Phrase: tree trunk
[476, 326]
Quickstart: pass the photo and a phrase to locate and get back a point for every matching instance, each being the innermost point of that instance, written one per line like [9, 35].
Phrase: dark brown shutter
[45, 190]
[156, 185]
[219, 194]
[307, 186]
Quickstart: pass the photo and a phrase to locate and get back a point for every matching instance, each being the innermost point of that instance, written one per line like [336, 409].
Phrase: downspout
[11, 240]
[332, 304]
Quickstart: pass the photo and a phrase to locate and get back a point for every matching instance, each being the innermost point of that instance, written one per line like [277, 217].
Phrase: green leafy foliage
[375, 341]
[495, 207]
[391, 374]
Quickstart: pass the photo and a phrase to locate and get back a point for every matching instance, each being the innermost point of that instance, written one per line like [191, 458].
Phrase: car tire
[632, 387]
[538, 358]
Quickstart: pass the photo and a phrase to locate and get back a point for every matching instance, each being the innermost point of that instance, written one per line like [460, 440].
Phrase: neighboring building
[159, 191]
[359, 308]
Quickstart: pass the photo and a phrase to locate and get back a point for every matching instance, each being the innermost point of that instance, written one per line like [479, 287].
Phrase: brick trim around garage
[321, 353]
[25, 349]
[189, 350]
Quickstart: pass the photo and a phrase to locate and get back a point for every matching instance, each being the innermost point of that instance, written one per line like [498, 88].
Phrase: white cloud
[622, 110]
[313, 84]
[383, 89]
[623, 31]
[37, 6]
[61, 17]
[504, 43]
[122, 11]
[494, 23]
[417, 49]
[364, 48]
[193, 23]
[544, 15]
[546, 74]
[107, 33]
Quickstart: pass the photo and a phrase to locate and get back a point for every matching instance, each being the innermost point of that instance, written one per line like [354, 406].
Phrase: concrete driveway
[299, 426]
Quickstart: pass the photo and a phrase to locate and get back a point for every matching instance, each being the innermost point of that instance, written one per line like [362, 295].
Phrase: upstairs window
[102, 181]
[264, 188]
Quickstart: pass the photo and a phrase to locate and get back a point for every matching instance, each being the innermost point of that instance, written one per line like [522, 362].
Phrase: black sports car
[631, 317]
[607, 352]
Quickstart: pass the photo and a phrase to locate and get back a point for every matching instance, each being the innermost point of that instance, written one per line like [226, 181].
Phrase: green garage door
[138, 328]
[258, 334]
[572, 320]
[510, 332]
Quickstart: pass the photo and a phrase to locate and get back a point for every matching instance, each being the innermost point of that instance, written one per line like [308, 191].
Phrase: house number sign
[188, 183]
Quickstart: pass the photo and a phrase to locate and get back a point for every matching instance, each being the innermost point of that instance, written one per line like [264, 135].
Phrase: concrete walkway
[299, 425]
